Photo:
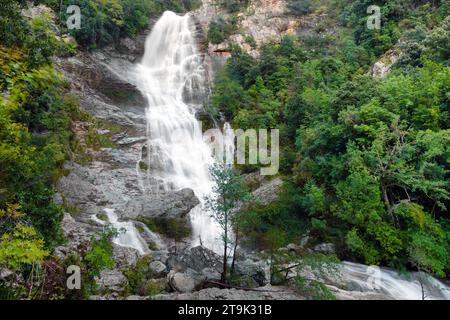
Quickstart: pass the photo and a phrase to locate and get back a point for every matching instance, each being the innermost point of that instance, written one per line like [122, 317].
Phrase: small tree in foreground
[229, 194]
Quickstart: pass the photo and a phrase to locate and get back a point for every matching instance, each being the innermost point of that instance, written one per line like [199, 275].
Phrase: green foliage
[429, 253]
[35, 113]
[19, 243]
[233, 6]
[300, 7]
[100, 255]
[229, 190]
[229, 195]
[106, 21]
[13, 27]
[313, 289]
[140, 279]
[138, 274]
[220, 29]
[33, 138]
[275, 225]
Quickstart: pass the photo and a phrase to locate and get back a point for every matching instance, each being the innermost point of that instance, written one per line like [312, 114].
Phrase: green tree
[229, 195]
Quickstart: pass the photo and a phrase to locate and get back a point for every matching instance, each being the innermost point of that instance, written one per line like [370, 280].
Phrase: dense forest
[365, 159]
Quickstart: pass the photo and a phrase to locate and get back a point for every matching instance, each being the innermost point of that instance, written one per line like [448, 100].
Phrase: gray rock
[176, 204]
[304, 241]
[254, 180]
[128, 44]
[136, 298]
[5, 273]
[77, 234]
[327, 248]
[211, 274]
[131, 140]
[111, 280]
[382, 67]
[103, 74]
[161, 255]
[124, 256]
[264, 20]
[158, 269]
[58, 199]
[98, 298]
[197, 258]
[156, 286]
[268, 192]
[185, 282]
[264, 293]
[251, 273]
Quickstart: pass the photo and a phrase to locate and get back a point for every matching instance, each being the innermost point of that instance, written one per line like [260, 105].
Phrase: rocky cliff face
[263, 20]
[105, 171]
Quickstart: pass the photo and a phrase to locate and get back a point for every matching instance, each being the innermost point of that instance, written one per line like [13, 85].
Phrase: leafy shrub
[105, 22]
[234, 6]
[19, 243]
[100, 255]
[219, 30]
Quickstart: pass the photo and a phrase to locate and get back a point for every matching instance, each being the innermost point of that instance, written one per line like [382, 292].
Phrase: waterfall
[173, 78]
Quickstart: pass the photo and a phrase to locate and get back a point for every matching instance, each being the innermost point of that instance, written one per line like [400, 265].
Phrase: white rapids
[390, 284]
[128, 235]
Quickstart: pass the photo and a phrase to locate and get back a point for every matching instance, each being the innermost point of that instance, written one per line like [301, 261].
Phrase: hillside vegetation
[365, 159]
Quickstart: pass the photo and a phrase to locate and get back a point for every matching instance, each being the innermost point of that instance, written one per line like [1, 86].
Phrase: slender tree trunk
[421, 284]
[225, 253]
[234, 250]
[387, 203]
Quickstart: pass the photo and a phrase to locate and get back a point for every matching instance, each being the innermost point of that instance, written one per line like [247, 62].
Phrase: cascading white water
[391, 284]
[128, 236]
[172, 77]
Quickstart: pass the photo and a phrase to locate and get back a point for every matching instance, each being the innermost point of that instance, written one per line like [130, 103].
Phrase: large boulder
[197, 258]
[165, 205]
[185, 282]
[382, 67]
